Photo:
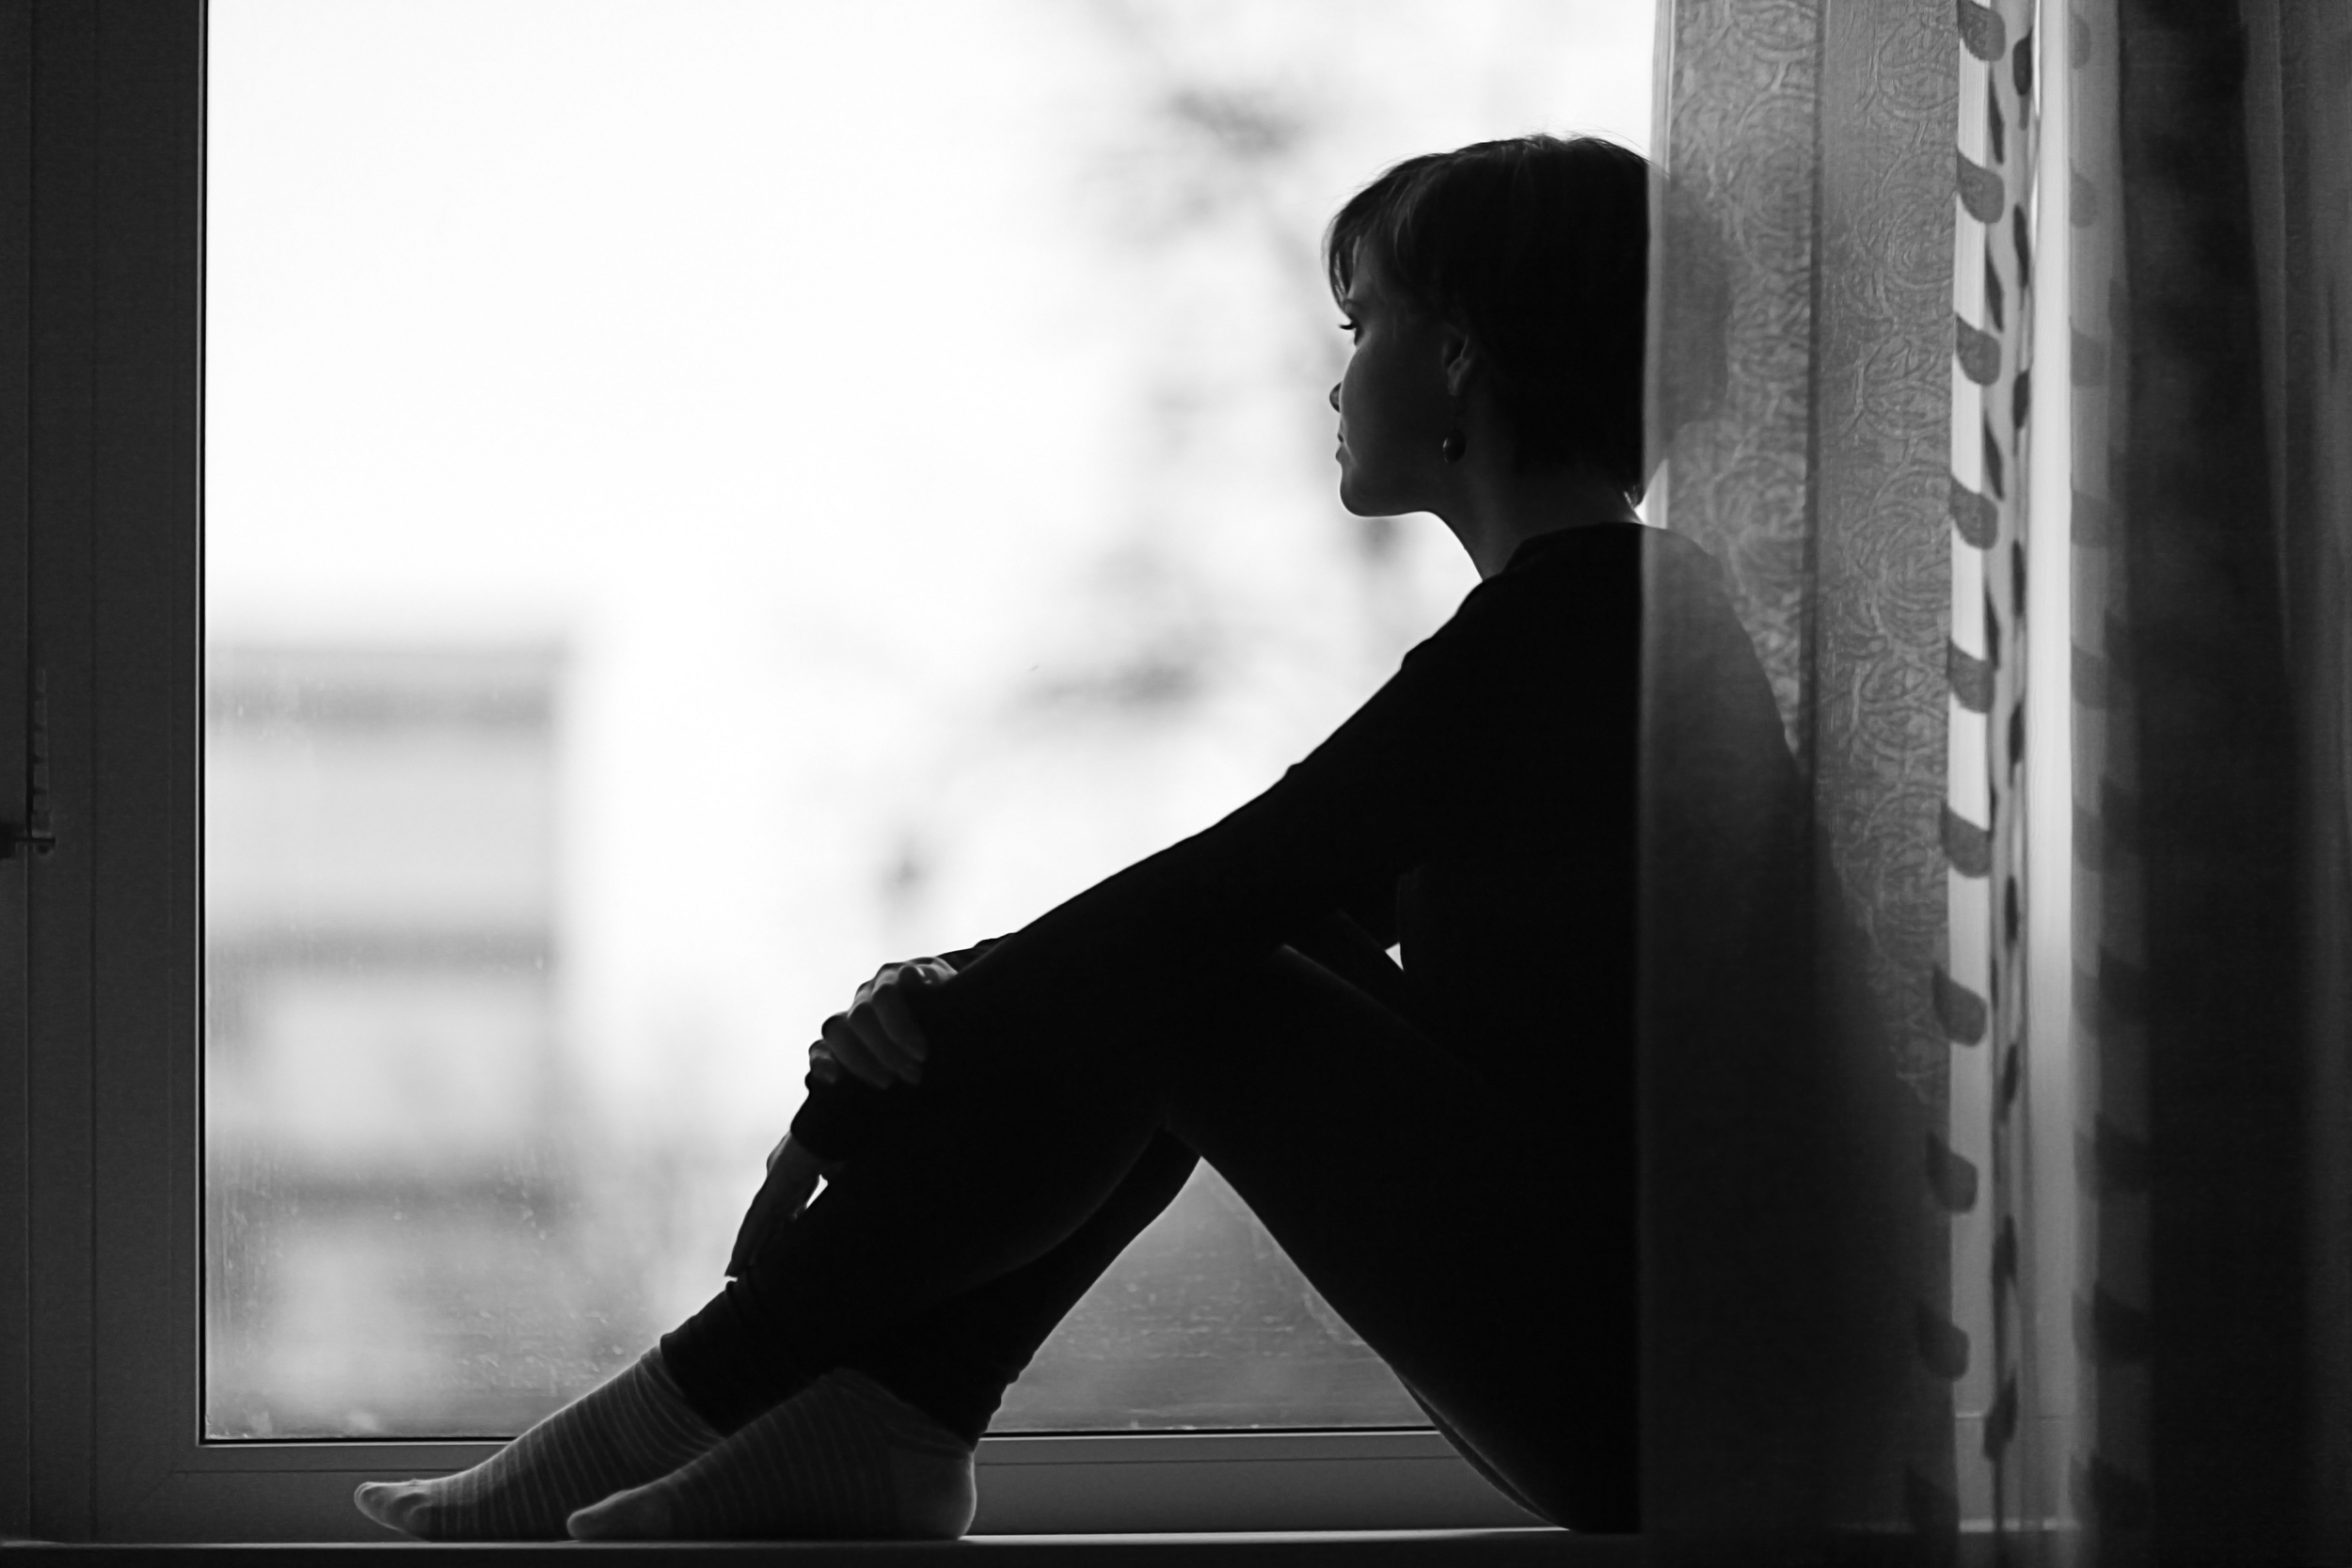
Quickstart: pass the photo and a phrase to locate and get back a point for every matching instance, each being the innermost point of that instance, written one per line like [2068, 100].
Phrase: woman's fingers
[888, 1026]
[897, 1020]
[885, 1035]
[852, 1053]
[885, 1045]
[860, 1045]
[876, 1038]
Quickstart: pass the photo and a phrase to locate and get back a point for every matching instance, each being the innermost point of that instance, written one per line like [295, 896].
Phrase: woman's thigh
[1481, 1238]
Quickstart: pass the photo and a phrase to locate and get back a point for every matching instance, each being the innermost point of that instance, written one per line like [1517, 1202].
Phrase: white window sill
[1294, 1549]
[1125, 1484]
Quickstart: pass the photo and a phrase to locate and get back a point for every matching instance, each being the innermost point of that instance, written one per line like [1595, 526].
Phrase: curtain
[2212, 411]
[1873, 1319]
[1804, 1194]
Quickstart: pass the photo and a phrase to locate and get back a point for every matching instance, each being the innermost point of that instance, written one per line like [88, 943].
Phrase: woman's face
[1394, 401]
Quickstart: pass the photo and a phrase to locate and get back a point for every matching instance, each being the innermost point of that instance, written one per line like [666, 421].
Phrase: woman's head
[1535, 252]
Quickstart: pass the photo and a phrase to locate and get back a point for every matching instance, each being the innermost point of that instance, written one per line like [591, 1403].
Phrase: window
[457, 945]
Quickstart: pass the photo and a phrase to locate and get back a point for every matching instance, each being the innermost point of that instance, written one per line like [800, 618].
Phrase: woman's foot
[845, 1459]
[634, 1427]
[639, 1513]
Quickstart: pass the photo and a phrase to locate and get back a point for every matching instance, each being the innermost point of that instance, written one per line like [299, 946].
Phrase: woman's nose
[1335, 397]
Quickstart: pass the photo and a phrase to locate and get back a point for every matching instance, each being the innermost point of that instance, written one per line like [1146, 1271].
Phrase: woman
[1446, 1150]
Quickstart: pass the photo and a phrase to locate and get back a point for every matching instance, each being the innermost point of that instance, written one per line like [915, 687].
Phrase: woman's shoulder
[1583, 594]
[1584, 575]
[1605, 594]
[1569, 601]
[1619, 547]
[1605, 566]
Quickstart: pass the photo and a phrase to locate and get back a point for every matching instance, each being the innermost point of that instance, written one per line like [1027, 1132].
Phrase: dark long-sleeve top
[1478, 811]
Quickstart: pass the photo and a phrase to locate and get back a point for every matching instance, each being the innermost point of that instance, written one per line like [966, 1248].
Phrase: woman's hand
[793, 1169]
[877, 1038]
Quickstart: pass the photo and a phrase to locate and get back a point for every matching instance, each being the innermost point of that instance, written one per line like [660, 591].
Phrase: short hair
[1539, 247]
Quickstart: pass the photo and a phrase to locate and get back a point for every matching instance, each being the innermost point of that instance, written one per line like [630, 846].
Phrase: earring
[1454, 444]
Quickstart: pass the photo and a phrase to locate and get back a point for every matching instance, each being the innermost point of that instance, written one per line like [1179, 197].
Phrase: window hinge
[34, 832]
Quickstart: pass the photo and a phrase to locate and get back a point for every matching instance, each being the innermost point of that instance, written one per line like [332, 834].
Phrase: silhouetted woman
[1446, 1149]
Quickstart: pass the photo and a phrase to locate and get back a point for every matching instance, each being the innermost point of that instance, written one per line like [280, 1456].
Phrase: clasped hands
[875, 1039]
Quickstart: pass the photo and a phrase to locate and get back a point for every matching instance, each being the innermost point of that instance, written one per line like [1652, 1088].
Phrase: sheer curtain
[1803, 1359]
[1871, 1312]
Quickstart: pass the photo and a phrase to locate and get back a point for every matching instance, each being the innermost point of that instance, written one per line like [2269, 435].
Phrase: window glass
[704, 499]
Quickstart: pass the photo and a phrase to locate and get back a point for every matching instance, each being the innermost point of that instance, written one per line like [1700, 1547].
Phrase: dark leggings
[1477, 1232]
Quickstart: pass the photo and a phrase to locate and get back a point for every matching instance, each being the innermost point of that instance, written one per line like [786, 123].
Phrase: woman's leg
[1481, 1243]
[961, 1190]
[955, 1361]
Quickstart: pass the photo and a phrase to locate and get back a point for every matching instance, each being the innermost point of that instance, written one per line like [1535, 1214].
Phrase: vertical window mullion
[16, 1274]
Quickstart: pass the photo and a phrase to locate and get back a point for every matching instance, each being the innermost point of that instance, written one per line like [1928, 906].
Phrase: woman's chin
[1357, 500]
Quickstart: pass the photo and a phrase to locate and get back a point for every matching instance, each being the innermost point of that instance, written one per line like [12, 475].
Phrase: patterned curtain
[1818, 1211]
[1980, 995]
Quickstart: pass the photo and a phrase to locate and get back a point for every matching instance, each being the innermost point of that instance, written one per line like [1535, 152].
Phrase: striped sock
[845, 1459]
[634, 1427]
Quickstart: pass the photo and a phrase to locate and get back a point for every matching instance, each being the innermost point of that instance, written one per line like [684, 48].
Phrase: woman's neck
[1496, 508]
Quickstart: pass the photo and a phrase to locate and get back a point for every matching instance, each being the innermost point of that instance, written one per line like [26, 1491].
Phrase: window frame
[102, 210]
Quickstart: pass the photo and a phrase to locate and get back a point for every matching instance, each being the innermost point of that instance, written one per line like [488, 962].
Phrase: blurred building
[391, 1197]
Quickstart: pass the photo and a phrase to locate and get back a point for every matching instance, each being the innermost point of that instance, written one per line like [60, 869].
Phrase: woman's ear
[1459, 358]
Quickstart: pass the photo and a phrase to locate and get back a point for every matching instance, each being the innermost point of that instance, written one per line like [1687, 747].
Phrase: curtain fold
[2301, 146]
[2212, 425]
[1846, 1328]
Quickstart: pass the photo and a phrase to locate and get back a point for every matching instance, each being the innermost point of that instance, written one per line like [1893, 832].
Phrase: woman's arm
[1484, 738]
[793, 1171]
